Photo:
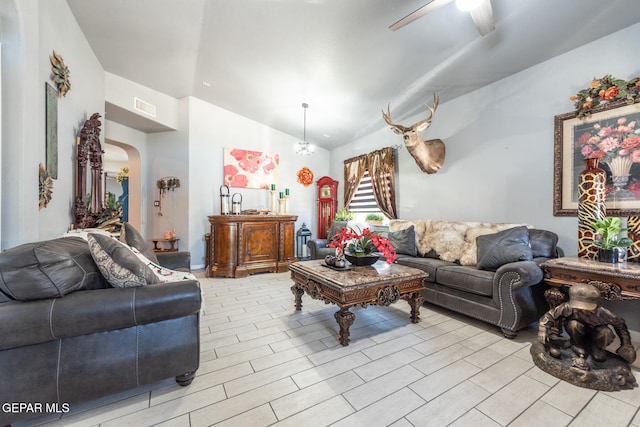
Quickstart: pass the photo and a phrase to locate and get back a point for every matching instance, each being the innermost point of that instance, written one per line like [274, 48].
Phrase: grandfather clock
[327, 204]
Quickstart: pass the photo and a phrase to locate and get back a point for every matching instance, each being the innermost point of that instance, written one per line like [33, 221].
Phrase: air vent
[144, 107]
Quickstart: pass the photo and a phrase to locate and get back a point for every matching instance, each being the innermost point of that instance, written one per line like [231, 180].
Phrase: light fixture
[304, 149]
[467, 5]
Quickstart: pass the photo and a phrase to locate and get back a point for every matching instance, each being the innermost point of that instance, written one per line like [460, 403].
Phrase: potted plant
[609, 229]
[375, 218]
[343, 215]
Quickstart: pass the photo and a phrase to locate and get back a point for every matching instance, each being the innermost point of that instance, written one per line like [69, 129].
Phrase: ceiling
[263, 58]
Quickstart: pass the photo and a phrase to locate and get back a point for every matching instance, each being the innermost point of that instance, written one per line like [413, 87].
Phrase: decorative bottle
[591, 206]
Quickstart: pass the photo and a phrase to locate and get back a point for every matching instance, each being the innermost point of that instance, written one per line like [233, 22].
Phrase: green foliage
[343, 215]
[609, 230]
[375, 217]
[112, 202]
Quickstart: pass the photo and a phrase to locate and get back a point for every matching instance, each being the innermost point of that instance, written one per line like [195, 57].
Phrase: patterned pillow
[118, 264]
[164, 275]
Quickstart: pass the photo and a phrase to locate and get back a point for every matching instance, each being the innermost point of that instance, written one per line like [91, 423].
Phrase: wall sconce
[164, 184]
[168, 183]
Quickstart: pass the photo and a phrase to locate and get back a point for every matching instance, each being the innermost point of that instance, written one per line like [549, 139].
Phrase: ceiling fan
[480, 11]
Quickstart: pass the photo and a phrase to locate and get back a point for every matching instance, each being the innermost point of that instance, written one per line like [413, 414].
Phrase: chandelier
[304, 149]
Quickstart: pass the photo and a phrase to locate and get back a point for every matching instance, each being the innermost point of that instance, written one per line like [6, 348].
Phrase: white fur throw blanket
[450, 240]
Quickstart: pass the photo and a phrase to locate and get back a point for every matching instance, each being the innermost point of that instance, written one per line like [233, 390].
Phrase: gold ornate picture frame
[612, 133]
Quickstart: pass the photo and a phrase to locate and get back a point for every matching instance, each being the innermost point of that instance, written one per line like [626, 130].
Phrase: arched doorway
[124, 154]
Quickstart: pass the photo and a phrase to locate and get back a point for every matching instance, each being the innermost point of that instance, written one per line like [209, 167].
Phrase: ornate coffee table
[379, 284]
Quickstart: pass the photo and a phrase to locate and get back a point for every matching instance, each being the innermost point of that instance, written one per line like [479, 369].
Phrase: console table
[240, 245]
[615, 281]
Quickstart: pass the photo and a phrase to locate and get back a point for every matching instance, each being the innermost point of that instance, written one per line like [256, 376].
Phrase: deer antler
[395, 127]
[418, 126]
[423, 124]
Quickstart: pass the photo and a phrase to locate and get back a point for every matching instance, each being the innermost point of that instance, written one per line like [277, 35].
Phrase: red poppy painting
[250, 169]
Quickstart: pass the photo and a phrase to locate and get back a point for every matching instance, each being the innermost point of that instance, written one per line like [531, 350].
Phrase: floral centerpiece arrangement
[605, 89]
[363, 244]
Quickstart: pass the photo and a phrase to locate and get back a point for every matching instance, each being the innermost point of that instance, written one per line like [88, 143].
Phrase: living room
[499, 138]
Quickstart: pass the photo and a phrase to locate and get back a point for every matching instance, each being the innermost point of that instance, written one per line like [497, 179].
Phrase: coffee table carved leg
[297, 292]
[345, 319]
[415, 301]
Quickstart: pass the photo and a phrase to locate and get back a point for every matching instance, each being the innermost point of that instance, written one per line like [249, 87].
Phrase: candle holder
[286, 205]
[274, 202]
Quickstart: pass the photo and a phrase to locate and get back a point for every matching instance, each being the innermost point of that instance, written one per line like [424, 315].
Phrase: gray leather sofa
[503, 286]
[67, 336]
[319, 248]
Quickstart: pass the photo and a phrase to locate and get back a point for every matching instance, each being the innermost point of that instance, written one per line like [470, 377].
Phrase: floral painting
[611, 133]
[250, 169]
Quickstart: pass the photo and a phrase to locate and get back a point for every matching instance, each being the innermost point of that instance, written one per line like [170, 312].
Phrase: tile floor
[263, 364]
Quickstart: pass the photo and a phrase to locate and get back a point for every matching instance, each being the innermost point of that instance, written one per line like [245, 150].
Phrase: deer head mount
[429, 155]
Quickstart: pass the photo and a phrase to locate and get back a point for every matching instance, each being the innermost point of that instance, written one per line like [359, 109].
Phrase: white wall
[35, 33]
[121, 92]
[499, 139]
[211, 129]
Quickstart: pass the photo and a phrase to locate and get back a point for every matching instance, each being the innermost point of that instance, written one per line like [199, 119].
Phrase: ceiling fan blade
[418, 13]
[483, 17]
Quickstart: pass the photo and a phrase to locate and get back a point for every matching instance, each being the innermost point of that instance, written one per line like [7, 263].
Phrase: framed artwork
[51, 95]
[611, 134]
[250, 169]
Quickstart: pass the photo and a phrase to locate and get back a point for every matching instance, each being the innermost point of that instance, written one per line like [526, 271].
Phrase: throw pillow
[404, 241]
[543, 243]
[48, 269]
[495, 250]
[132, 237]
[163, 274]
[117, 263]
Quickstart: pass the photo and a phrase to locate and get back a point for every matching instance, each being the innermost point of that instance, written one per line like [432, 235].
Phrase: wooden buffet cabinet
[240, 245]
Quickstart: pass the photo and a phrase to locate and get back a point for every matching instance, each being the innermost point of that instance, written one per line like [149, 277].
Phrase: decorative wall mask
[46, 187]
[60, 73]
[429, 155]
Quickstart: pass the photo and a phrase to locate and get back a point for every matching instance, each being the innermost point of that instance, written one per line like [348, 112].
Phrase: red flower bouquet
[365, 243]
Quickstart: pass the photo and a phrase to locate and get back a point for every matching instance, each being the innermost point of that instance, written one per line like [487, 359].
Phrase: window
[369, 183]
[364, 201]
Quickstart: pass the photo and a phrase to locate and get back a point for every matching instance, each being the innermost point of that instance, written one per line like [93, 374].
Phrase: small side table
[615, 281]
[173, 242]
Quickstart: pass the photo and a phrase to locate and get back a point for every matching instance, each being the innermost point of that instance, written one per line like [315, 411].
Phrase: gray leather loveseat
[67, 336]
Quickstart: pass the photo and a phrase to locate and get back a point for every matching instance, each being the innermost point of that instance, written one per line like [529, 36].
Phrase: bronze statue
[583, 360]
[587, 324]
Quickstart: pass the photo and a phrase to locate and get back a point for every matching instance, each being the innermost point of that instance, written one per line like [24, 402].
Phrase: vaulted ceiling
[263, 58]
